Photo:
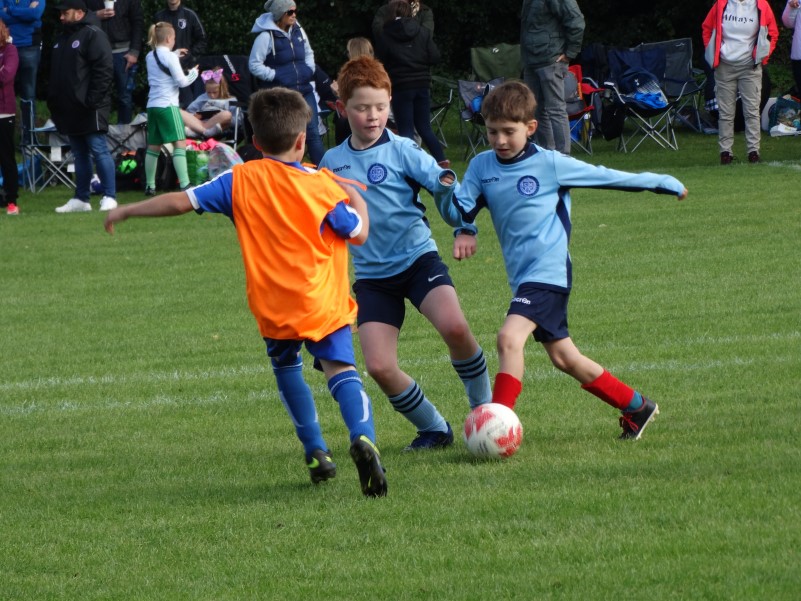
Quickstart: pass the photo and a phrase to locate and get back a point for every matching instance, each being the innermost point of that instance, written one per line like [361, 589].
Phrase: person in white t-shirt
[739, 37]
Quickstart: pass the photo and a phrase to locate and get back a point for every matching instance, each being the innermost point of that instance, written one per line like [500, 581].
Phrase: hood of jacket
[265, 22]
[402, 30]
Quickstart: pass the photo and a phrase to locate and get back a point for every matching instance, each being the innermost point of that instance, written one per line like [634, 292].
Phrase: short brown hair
[511, 101]
[359, 47]
[362, 72]
[277, 115]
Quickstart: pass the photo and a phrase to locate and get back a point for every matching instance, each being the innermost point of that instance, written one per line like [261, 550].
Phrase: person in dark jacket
[190, 40]
[421, 12]
[408, 51]
[123, 26]
[551, 32]
[282, 56]
[80, 82]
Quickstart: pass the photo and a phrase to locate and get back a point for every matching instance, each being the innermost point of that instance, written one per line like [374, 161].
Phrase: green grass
[145, 454]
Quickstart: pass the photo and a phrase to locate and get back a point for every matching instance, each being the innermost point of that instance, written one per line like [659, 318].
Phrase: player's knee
[380, 370]
[507, 343]
[456, 333]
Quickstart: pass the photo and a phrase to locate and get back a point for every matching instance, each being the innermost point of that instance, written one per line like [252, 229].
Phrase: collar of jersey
[527, 152]
[382, 140]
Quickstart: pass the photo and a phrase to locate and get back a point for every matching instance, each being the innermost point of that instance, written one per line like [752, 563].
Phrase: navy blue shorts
[383, 300]
[546, 308]
[337, 346]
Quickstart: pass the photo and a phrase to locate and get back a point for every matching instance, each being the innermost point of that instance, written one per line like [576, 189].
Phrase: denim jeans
[84, 149]
[314, 143]
[412, 110]
[25, 80]
[124, 82]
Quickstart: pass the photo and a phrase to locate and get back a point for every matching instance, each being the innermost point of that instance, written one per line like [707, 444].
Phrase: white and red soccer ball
[493, 431]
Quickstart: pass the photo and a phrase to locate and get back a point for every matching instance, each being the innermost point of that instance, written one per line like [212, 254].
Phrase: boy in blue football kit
[526, 190]
[400, 259]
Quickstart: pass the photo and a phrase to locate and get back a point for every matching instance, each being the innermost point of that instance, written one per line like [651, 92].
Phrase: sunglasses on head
[291, 13]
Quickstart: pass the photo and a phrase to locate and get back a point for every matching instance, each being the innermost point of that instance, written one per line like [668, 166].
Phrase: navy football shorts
[383, 300]
[546, 308]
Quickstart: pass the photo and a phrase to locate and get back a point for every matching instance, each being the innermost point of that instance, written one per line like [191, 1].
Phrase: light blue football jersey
[529, 200]
[394, 169]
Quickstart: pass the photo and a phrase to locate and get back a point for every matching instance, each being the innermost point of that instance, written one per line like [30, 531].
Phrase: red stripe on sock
[507, 389]
[610, 390]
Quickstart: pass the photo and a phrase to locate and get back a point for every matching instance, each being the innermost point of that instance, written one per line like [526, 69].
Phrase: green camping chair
[499, 60]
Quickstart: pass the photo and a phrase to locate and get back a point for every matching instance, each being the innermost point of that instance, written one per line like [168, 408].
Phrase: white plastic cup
[109, 4]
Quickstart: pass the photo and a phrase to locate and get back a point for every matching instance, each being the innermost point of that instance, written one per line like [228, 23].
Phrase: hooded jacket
[80, 79]
[766, 37]
[280, 58]
[408, 51]
[9, 61]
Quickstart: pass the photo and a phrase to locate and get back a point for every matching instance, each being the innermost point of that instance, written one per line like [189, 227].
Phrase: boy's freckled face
[367, 110]
[509, 138]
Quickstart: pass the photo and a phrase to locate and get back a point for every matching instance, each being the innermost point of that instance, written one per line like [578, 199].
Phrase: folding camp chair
[240, 84]
[473, 128]
[579, 113]
[634, 88]
[43, 163]
[498, 60]
[681, 83]
[442, 96]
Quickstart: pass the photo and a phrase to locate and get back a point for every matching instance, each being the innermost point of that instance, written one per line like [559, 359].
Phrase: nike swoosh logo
[431, 279]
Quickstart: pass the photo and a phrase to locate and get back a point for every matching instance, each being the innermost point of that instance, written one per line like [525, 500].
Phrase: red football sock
[610, 390]
[507, 389]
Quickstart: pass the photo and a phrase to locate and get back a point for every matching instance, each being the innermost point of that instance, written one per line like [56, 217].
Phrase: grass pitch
[145, 455]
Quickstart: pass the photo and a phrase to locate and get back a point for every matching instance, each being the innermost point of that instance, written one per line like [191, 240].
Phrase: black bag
[166, 178]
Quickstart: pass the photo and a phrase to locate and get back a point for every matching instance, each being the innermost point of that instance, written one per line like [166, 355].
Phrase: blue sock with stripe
[415, 407]
[299, 403]
[474, 375]
[354, 404]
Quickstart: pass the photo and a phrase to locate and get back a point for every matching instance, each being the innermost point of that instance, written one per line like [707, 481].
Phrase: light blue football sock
[354, 404]
[474, 375]
[299, 403]
[415, 407]
[636, 403]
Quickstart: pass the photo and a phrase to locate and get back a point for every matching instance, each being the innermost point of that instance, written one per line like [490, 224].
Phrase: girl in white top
[164, 124]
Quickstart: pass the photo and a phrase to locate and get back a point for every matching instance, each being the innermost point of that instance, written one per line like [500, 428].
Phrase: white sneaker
[107, 203]
[74, 205]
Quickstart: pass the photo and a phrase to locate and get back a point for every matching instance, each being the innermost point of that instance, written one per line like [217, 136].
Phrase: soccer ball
[493, 431]
[94, 185]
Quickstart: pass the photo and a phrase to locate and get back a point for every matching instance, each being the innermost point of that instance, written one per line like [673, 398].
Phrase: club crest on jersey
[528, 185]
[181, 23]
[376, 173]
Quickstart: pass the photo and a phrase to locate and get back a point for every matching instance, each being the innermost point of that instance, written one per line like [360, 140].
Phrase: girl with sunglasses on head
[209, 115]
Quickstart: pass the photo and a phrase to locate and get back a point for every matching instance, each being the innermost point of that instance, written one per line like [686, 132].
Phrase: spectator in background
[80, 81]
[408, 52]
[282, 56]
[550, 36]
[423, 14]
[791, 17]
[24, 21]
[190, 39]
[123, 26]
[739, 36]
[209, 115]
[9, 61]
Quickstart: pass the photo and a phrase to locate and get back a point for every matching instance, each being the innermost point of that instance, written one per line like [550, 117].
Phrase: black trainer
[321, 466]
[431, 440]
[635, 422]
[368, 463]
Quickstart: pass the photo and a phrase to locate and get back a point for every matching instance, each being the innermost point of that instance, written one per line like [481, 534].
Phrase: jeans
[96, 146]
[412, 110]
[548, 85]
[314, 143]
[124, 82]
[25, 80]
